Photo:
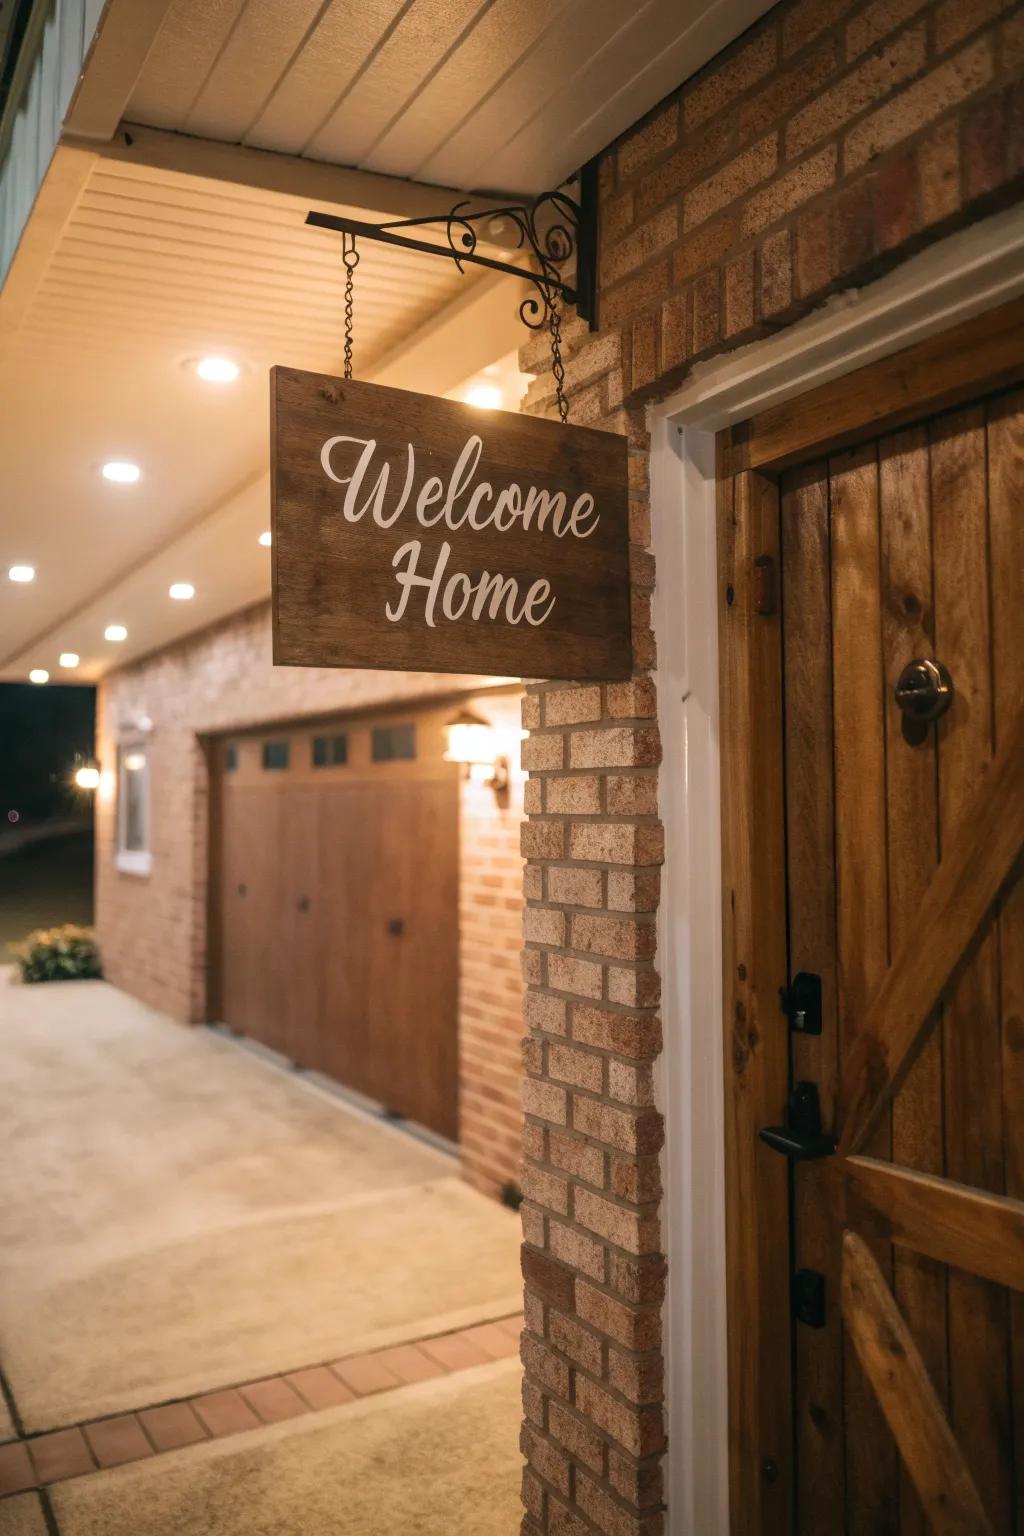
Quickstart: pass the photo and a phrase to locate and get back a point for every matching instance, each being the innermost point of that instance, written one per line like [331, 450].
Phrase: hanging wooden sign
[425, 535]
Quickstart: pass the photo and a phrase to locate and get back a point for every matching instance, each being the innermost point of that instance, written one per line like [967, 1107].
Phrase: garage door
[336, 896]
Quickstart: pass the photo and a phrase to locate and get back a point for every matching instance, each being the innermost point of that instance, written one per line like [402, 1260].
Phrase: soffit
[473, 94]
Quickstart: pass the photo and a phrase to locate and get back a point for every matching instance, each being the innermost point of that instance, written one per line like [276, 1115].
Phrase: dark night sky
[43, 730]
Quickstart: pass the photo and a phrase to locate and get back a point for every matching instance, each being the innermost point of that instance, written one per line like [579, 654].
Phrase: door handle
[801, 1138]
[397, 927]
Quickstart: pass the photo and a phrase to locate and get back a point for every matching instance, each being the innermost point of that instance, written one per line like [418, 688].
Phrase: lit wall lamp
[88, 775]
[472, 742]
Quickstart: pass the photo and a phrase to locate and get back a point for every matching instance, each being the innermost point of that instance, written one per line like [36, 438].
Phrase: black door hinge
[801, 1003]
[802, 1137]
[808, 1297]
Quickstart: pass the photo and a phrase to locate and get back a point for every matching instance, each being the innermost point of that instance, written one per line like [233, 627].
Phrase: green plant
[68, 953]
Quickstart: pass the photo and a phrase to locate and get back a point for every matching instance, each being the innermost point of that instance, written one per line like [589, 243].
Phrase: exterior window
[330, 751]
[231, 756]
[393, 742]
[133, 809]
[275, 754]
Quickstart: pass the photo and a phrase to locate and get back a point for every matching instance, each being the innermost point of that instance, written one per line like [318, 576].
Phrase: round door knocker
[924, 691]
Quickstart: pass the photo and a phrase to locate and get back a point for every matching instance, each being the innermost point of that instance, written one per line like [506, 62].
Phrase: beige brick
[641, 1483]
[865, 86]
[542, 839]
[550, 1461]
[534, 1225]
[571, 706]
[544, 1365]
[574, 796]
[545, 1189]
[633, 891]
[640, 1131]
[920, 104]
[636, 699]
[531, 711]
[619, 1224]
[637, 1035]
[632, 795]
[741, 175]
[639, 1430]
[938, 160]
[726, 79]
[575, 887]
[630, 1084]
[640, 1378]
[576, 1249]
[533, 1495]
[544, 1100]
[570, 1338]
[640, 245]
[622, 746]
[577, 1157]
[608, 1515]
[636, 987]
[790, 191]
[583, 1069]
[623, 938]
[533, 881]
[649, 139]
[541, 925]
[543, 751]
[808, 19]
[583, 977]
[876, 21]
[617, 842]
[544, 1012]
[533, 797]
[957, 19]
[636, 1328]
[577, 1436]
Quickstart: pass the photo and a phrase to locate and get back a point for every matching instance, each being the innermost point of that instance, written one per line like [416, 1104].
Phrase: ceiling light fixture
[121, 472]
[39, 675]
[266, 539]
[88, 776]
[217, 370]
[22, 573]
[487, 397]
[181, 591]
[69, 658]
[115, 632]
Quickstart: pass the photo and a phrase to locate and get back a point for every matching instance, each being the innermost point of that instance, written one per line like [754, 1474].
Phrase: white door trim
[959, 277]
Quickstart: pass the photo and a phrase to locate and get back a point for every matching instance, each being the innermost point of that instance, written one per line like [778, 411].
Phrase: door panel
[907, 546]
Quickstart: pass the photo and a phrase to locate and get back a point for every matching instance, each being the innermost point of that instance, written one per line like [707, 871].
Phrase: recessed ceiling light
[69, 658]
[115, 632]
[22, 573]
[486, 396]
[39, 675]
[121, 472]
[266, 539]
[181, 591]
[217, 370]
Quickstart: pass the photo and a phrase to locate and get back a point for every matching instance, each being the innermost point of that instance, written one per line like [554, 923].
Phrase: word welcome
[459, 504]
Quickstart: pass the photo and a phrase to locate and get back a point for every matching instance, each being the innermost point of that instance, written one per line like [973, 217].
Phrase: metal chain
[557, 366]
[350, 256]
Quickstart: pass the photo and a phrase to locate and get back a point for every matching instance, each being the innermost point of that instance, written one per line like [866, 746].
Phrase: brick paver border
[52, 1456]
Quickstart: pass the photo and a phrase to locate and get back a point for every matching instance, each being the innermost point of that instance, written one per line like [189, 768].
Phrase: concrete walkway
[196, 1245]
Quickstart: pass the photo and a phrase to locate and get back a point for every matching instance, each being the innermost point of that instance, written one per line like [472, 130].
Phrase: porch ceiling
[474, 94]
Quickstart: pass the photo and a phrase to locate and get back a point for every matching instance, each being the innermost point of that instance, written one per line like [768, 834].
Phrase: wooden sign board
[422, 535]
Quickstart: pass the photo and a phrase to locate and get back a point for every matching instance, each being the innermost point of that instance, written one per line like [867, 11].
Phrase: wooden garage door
[873, 861]
[337, 898]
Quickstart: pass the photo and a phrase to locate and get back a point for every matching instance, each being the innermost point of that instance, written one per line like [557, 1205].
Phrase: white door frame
[959, 277]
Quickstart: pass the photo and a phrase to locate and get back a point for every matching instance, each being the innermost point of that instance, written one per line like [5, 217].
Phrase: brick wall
[830, 142]
[152, 929]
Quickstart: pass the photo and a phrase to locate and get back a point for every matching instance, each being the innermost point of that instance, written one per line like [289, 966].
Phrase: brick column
[594, 1273]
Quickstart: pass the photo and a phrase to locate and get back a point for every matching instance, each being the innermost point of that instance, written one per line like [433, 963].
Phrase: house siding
[828, 144]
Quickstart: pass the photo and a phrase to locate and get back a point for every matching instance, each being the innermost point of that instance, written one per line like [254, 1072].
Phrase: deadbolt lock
[924, 690]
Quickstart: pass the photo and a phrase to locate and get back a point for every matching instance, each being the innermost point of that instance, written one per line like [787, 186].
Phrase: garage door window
[330, 751]
[133, 808]
[275, 754]
[391, 743]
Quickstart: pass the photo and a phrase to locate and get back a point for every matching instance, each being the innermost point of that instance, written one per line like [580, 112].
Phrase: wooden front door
[336, 905]
[891, 1397]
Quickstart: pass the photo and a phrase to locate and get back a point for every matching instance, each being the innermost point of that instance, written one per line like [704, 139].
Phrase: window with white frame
[133, 852]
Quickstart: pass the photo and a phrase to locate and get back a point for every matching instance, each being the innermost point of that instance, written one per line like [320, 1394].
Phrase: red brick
[938, 172]
[921, 103]
[365, 1374]
[60, 1455]
[549, 1460]
[274, 1399]
[983, 146]
[320, 1388]
[815, 263]
[224, 1413]
[115, 1441]
[740, 175]
[455, 1351]
[550, 1279]
[16, 1472]
[726, 79]
[776, 274]
[576, 1435]
[860, 88]
[544, 1365]
[738, 315]
[639, 1430]
[894, 195]
[496, 1342]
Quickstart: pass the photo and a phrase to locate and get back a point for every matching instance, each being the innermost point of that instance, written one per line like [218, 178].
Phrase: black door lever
[802, 1137]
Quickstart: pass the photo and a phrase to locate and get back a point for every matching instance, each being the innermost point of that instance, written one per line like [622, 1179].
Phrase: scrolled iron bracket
[553, 228]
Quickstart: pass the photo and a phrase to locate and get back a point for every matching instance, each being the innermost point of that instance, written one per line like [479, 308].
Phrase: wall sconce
[471, 741]
[88, 775]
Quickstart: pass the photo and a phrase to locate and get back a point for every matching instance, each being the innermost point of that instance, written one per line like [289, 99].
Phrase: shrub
[68, 953]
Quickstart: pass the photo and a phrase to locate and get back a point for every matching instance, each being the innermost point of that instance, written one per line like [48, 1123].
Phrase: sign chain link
[557, 366]
[350, 256]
